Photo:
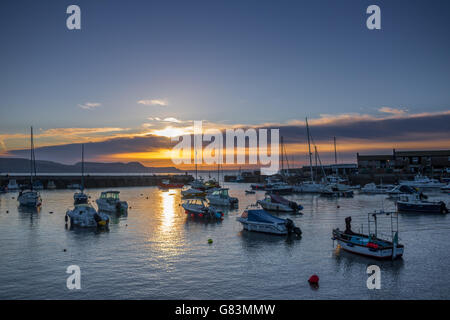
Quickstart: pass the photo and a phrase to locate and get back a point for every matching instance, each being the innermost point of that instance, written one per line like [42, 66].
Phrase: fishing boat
[370, 245]
[12, 185]
[416, 203]
[30, 198]
[109, 201]
[221, 197]
[199, 208]
[273, 202]
[51, 185]
[372, 188]
[166, 184]
[423, 182]
[259, 220]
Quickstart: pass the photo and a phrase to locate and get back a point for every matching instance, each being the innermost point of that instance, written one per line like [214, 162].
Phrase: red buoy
[314, 279]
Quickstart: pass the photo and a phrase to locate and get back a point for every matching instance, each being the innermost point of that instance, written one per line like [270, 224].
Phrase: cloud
[90, 105]
[392, 111]
[171, 119]
[154, 102]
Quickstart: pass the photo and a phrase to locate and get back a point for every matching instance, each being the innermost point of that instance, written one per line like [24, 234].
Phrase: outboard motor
[118, 206]
[97, 218]
[291, 228]
[444, 208]
[348, 226]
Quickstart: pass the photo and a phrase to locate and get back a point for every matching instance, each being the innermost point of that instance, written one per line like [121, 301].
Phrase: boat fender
[65, 218]
[210, 241]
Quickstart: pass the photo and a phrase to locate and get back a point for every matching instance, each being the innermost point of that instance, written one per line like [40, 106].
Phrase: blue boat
[259, 220]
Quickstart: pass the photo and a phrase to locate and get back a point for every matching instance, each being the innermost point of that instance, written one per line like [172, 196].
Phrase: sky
[140, 71]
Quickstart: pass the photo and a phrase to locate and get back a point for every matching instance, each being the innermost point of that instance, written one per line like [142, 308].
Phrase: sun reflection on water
[168, 211]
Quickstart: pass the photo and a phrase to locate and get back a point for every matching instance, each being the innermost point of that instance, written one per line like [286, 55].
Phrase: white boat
[369, 244]
[399, 190]
[30, 198]
[372, 188]
[12, 185]
[51, 185]
[109, 201]
[277, 203]
[423, 182]
[415, 203]
[309, 187]
[85, 215]
[337, 190]
[220, 197]
[199, 208]
[259, 220]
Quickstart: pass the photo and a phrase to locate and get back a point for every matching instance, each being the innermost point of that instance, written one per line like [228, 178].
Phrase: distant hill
[20, 165]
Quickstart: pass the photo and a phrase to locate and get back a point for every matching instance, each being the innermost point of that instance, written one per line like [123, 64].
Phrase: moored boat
[220, 197]
[372, 188]
[259, 220]
[423, 182]
[84, 215]
[416, 203]
[12, 185]
[274, 202]
[370, 245]
[109, 201]
[199, 208]
[31, 197]
[166, 184]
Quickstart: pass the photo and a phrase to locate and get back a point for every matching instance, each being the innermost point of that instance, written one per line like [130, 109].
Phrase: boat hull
[263, 227]
[270, 206]
[421, 208]
[380, 254]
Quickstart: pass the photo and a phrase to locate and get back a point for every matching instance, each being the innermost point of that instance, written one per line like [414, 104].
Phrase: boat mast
[196, 164]
[335, 156]
[32, 164]
[82, 167]
[309, 151]
[282, 157]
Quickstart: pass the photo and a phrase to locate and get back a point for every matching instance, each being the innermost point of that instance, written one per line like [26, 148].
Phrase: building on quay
[425, 162]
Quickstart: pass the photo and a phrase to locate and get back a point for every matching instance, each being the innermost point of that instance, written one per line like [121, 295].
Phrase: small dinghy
[198, 208]
[166, 184]
[370, 245]
[273, 202]
[250, 192]
[109, 201]
[220, 197]
[416, 203]
[259, 220]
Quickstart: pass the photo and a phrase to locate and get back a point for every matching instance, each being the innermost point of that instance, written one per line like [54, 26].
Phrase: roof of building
[425, 153]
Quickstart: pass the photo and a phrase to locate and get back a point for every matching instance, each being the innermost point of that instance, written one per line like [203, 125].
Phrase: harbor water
[156, 251]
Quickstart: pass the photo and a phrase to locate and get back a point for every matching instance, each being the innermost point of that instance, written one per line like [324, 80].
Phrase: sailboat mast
[82, 167]
[309, 151]
[31, 159]
[282, 157]
[335, 156]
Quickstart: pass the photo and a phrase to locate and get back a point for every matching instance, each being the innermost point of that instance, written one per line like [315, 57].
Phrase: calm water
[156, 252]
